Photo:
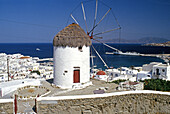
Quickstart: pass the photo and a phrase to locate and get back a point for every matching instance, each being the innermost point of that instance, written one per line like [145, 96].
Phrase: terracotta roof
[24, 57]
[101, 73]
[72, 36]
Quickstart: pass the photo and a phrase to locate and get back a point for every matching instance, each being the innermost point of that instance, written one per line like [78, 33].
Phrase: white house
[148, 67]
[142, 75]
[113, 74]
[122, 73]
[128, 71]
[71, 56]
[161, 71]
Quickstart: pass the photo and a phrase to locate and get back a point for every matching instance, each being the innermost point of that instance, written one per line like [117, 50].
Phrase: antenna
[8, 67]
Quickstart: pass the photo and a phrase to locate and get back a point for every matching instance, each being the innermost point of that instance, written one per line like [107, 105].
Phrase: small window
[65, 71]
[163, 70]
[80, 49]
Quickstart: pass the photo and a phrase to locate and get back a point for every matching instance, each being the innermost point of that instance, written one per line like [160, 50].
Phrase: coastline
[116, 61]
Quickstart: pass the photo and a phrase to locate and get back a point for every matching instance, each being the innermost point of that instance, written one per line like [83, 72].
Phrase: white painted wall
[101, 77]
[164, 71]
[168, 73]
[142, 75]
[65, 59]
[148, 67]
[8, 87]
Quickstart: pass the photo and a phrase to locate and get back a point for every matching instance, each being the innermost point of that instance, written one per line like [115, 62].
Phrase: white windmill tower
[71, 57]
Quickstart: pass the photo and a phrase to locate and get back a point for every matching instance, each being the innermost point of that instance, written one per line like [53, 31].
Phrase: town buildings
[17, 66]
[154, 70]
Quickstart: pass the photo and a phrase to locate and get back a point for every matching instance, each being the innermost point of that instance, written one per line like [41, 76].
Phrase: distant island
[166, 44]
[144, 40]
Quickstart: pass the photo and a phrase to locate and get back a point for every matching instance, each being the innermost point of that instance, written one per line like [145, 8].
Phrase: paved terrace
[111, 87]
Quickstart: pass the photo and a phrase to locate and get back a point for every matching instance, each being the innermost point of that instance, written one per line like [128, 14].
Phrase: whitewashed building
[71, 48]
[142, 75]
[113, 74]
[128, 71]
[122, 73]
[161, 71]
[148, 67]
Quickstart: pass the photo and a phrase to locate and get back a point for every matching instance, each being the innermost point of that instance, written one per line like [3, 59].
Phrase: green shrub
[157, 84]
[36, 71]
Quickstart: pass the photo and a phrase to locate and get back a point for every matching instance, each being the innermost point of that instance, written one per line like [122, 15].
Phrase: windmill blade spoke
[74, 19]
[97, 37]
[99, 56]
[95, 15]
[106, 45]
[84, 15]
[107, 31]
[100, 20]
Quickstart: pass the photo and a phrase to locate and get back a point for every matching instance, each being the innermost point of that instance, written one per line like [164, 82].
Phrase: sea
[116, 61]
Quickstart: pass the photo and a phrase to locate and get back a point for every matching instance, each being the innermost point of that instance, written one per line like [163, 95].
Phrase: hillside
[144, 40]
[152, 40]
[159, 44]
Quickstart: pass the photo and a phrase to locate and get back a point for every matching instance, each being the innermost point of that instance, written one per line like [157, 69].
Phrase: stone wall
[125, 102]
[6, 106]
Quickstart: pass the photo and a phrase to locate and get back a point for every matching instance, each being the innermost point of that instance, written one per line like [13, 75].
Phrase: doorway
[76, 75]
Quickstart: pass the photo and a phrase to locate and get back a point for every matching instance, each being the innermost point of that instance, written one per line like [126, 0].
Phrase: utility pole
[8, 67]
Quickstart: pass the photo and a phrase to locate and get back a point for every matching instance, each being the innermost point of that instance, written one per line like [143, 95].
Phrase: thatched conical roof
[72, 36]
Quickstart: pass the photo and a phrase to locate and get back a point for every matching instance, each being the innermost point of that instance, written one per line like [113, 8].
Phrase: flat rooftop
[17, 82]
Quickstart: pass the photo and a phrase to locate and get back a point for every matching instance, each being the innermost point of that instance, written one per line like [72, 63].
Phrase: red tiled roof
[24, 57]
[101, 73]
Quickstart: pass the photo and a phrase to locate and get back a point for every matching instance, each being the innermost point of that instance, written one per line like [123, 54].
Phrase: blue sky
[38, 21]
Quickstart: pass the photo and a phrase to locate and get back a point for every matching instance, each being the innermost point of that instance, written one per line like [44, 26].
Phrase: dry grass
[31, 90]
